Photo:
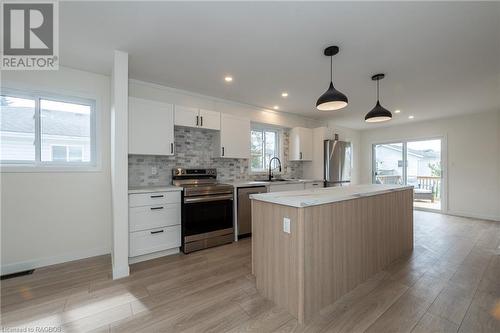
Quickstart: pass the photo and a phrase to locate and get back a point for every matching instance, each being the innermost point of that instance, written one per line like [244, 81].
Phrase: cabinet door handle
[201, 121]
[197, 120]
[157, 232]
[171, 148]
[300, 155]
[222, 151]
[156, 208]
[156, 196]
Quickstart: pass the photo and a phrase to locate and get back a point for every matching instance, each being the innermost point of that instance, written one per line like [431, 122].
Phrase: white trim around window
[279, 143]
[37, 165]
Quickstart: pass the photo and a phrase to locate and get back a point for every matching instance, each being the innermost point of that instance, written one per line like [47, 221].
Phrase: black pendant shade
[378, 113]
[332, 99]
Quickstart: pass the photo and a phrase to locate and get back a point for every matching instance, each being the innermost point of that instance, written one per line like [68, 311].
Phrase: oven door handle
[208, 198]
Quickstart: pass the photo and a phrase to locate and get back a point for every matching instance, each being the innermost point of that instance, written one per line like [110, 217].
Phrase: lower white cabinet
[154, 222]
[317, 184]
[286, 187]
[144, 218]
[153, 240]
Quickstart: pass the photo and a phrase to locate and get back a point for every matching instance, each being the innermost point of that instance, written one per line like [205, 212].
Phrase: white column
[119, 163]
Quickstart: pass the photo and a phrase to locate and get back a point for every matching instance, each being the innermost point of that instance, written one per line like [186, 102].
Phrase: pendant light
[332, 99]
[378, 113]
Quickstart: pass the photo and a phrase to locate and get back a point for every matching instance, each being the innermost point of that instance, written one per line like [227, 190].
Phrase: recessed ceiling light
[397, 111]
[276, 107]
[228, 78]
[411, 117]
[284, 94]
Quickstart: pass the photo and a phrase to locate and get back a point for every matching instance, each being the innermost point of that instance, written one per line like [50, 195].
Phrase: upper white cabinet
[186, 116]
[301, 147]
[193, 117]
[234, 137]
[150, 127]
[210, 119]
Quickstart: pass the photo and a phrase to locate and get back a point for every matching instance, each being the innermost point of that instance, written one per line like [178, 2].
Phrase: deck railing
[432, 183]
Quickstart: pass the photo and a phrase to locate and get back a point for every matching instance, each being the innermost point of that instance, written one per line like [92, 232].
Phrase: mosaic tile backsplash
[194, 148]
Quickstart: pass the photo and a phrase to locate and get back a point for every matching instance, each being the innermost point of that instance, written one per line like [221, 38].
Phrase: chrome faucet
[270, 170]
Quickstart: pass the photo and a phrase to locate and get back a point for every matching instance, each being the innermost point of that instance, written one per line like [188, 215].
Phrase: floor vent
[13, 275]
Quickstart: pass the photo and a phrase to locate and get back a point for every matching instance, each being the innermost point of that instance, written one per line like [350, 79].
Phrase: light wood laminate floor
[450, 283]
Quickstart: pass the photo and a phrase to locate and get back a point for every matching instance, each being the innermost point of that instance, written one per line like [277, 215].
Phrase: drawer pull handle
[157, 196]
[156, 208]
[157, 232]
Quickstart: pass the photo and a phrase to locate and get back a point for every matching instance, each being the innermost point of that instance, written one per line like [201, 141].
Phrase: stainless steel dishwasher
[245, 209]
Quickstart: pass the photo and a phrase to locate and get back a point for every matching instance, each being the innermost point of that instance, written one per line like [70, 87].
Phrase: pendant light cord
[331, 68]
[377, 91]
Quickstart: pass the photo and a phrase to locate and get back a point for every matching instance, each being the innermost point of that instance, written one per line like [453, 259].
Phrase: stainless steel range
[207, 209]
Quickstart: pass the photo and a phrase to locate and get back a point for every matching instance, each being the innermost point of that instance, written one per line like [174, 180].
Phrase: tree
[435, 169]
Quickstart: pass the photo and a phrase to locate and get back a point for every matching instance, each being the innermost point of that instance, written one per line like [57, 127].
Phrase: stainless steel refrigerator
[338, 163]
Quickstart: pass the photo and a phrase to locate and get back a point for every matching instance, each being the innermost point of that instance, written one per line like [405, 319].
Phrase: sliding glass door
[388, 163]
[417, 163]
[424, 172]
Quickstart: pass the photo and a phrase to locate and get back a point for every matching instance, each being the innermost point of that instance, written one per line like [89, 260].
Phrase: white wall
[170, 95]
[472, 154]
[51, 217]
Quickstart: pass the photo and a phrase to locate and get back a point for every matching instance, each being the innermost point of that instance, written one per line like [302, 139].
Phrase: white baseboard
[461, 214]
[474, 216]
[154, 255]
[47, 261]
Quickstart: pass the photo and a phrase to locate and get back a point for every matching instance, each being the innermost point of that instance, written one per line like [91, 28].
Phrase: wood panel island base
[338, 238]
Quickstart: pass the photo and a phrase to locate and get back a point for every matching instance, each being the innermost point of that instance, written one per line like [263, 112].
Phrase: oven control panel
[194, 172]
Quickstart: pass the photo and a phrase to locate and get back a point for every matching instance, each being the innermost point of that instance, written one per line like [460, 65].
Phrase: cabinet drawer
[150, 199]
[314, 185]
[147, 217]
[158, 239]
[286, 187]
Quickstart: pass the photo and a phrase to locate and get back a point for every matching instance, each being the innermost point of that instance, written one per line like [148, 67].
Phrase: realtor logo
[30, 35]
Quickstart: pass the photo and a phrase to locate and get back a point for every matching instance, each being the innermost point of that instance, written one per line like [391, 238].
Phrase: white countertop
[152, 189]
[253, 183]
[321, 196]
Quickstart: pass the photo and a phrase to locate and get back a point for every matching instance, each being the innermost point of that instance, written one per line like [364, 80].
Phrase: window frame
[38, 165]
[279, 139]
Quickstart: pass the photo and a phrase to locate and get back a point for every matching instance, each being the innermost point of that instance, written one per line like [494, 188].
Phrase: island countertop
[321, 196]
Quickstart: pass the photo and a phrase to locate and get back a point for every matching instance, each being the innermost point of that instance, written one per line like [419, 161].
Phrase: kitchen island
[311, 247]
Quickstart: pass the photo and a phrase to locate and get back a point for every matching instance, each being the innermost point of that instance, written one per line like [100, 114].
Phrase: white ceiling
[440, 59]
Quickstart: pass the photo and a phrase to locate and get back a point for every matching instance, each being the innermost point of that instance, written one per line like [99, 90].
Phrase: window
[265, 145]
[67, 153]
[44, 131]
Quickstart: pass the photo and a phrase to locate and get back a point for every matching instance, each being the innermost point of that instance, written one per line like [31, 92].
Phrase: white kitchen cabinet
[150, 127]
[154, 240]
[199, 118]
[209, 119]
[301, 148]
[309, 185]
[286, 187]
[234, 139]
[154, 224]
[149, 217]
[186, 116]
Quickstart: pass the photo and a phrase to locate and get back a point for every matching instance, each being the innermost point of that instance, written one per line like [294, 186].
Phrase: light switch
[286, 225]
[154, 170]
